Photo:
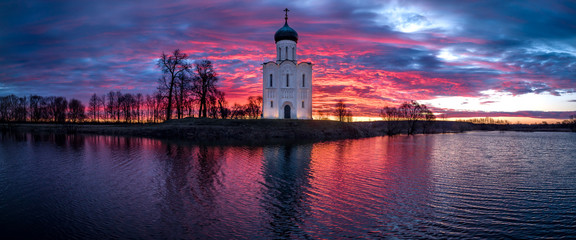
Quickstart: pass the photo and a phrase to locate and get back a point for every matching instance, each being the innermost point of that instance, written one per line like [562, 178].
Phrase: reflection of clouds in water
[423, 186]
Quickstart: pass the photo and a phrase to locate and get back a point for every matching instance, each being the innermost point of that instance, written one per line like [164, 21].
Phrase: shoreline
[254, 131]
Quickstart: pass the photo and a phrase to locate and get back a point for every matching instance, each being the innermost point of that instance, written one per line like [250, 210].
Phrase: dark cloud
[400, 59]
[362, 50]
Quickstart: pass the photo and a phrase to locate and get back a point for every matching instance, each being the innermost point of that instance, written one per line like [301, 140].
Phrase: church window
[293, 53]
[303, 80]
[302, 104]
[271, 104]
[286, 52]
[270, 80]
[287, 80]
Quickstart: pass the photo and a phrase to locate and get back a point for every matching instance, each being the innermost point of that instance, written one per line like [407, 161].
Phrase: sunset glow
[501, 59]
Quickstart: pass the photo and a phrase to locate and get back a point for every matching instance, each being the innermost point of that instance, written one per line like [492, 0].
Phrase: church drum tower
[286, 84]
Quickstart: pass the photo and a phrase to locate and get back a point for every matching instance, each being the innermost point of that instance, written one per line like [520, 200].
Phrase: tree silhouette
[76, 111]
[93, 105]
[172, 66]
[254, 107]
[392, 116]
[59, 107]
[342, 113]
[204, 84]
[412, 112]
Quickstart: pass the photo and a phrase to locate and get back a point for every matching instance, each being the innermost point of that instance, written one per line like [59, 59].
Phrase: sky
[463, 59]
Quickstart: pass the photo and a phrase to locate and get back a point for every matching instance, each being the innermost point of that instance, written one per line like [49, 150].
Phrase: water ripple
[481, 185]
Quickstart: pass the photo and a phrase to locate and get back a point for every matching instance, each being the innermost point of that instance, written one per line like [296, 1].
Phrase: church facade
[286, 84]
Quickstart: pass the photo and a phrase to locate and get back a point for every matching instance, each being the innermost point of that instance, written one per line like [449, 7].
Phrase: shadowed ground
[253, 131]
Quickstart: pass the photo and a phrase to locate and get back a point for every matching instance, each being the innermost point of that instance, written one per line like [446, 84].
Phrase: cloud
[371, 53]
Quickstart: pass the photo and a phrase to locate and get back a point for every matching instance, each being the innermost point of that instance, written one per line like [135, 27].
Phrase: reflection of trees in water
[286, 171]
[193, 177]
[14, 135]
[73, 141]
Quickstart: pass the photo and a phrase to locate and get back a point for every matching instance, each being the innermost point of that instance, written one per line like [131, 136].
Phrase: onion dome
[286, 32]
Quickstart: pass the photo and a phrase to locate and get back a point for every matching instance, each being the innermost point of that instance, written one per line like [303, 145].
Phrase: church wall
[304, 91]
[270, 94]
[291, 84]
[288, 88]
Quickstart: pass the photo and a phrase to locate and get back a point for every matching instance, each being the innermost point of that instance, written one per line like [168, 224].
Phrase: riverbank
[251, 131]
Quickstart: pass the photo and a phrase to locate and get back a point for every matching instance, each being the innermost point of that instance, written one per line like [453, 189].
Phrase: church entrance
[287, 112]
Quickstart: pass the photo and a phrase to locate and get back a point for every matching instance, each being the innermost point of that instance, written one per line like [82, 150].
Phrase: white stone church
[287, 84]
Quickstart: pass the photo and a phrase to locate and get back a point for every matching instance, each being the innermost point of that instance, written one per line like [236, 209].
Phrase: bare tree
[342, 113]
[13, 108]
[47, 106]
[411, 113]
[222, 105]
[212, 107]
[93, 105]
[183, 85]
[392, 116]
[429, 119]
[238, 111]
[126, 104]
[60, 107]
[111, 106]
[76, 110]
[138, 101]
[204, 84]
[254, 107]
[159, 104]
[348, 117]
[570, 123]
[35, 108]
[172, 67]
[102, 107]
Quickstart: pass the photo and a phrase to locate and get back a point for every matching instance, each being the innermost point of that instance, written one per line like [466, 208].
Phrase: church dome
[286, 33]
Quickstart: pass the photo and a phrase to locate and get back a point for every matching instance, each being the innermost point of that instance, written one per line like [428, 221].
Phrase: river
[468, 185]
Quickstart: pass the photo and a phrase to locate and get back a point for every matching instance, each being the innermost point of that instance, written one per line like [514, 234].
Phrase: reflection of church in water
[287, 84]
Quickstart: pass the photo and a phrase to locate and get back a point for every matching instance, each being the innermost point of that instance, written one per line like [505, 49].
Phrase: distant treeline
[114, 106]
[185, 88]
[489, 120]
[410, 118]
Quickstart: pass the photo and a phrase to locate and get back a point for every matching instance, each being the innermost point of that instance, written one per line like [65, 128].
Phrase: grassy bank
[249, 131]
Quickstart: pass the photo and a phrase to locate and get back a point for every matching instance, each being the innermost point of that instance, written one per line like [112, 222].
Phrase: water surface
[470, 185]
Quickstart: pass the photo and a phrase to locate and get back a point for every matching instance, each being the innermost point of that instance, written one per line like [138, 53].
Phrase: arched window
[279, 53]
[302, 104]
[270, 80]
[287, 80]
[286, 52]
[293, 53]
[271, 104]
[303, 80]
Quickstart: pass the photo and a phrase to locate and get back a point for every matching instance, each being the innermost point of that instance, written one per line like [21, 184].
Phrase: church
[286, 84]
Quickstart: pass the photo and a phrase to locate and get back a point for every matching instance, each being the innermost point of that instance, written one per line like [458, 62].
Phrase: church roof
[286, 32]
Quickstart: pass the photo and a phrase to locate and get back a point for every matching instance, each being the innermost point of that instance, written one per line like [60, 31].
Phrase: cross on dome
[286, 32]
[286, 17]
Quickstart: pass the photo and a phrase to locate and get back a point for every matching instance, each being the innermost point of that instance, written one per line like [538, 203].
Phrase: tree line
[185, 88]
[115, 106]
[40, 109]
[409, 117]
